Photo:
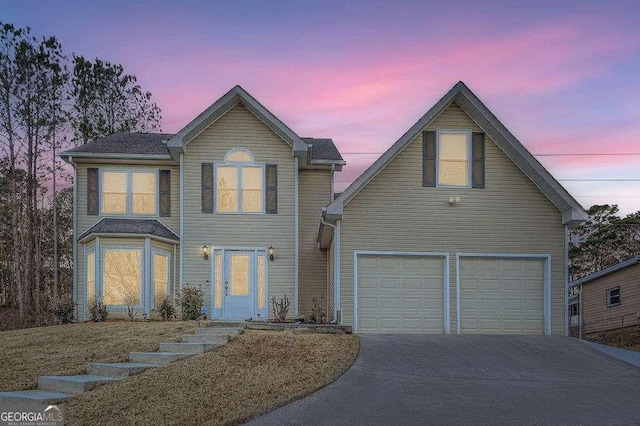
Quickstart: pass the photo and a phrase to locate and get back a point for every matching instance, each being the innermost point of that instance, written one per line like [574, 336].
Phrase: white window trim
[129, 190]
[469, 156]
[239, 165]
[142, 274]
[609, 304]
[153, 274]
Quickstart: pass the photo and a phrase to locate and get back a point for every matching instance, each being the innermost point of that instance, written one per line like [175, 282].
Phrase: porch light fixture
[205, 252]
[272, 252]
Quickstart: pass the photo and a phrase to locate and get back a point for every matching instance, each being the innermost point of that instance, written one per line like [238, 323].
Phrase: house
[608, 299]
[456, 228]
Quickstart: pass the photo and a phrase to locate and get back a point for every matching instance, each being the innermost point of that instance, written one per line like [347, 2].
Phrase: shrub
[280, 308]
[97, 310]
[131, 302]
[318, 311]
[166, 309]
[63, 310]
[191, 301]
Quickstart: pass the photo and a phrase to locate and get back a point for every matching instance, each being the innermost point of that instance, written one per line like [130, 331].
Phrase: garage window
[613, 297]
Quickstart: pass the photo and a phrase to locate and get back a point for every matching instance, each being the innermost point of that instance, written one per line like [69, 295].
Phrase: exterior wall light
[205, 252]
[272, 252]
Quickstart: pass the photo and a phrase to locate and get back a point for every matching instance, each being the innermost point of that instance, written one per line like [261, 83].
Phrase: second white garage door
[502, 295]
[400, 294]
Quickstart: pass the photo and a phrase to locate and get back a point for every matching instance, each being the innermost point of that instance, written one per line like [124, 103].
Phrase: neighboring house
[609, 298]
[456, 228]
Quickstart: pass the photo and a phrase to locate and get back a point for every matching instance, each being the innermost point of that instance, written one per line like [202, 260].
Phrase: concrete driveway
[474, 380]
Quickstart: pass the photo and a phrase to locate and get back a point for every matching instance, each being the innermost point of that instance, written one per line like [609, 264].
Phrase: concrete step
[216, 339]
[230, 331]
[117, 369]
[72, 384]
[34, 396]
[158, 358]
[192, 348]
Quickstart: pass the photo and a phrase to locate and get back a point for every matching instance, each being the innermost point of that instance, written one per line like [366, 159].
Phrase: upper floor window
[132, 192]
[454, 158]
[239, 183]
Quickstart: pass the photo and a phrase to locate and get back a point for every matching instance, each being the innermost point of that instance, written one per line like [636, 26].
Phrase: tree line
[50, 101]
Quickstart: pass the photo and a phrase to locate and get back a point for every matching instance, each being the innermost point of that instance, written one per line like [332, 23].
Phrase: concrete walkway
[473, 380]
[54, 389]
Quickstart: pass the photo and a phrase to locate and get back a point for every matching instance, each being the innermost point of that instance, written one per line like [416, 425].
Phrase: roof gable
[572, 211]
[178, 142]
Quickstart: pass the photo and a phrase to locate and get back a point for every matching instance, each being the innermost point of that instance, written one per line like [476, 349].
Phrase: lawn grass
[66, 349]
[254, 374]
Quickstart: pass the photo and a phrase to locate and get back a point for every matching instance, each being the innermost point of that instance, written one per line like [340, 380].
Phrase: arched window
[239, 183]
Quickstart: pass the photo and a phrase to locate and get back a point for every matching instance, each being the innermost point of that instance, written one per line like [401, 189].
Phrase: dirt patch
[254, 374]
[615, 338]
[66, 349]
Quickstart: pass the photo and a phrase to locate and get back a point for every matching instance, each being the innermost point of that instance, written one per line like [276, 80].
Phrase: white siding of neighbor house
[314, 187]
[239, 128]
[394, 212]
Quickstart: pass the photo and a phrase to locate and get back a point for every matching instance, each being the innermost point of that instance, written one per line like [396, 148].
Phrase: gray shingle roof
[131, 226]
[125, 143]
[152, 144]
[605, 272]
[323, 149]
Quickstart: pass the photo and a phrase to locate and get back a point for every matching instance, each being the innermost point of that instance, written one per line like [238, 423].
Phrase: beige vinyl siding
[394, 212]
[239, 128]
[314, 189]
[597, 315]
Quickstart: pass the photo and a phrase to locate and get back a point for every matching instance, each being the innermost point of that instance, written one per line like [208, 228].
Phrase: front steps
[54, 389]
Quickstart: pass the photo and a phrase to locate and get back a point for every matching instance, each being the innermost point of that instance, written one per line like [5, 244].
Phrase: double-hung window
[454, 158]
[239, 183]
[129, 192]
[613, 296]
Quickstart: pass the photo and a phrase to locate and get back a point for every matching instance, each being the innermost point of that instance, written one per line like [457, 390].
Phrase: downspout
[74, 245]
[333, 317]
[181, 220]
[296, 238]
[336, 272]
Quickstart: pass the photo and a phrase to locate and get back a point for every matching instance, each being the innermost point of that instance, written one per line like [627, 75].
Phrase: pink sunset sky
[562, 76]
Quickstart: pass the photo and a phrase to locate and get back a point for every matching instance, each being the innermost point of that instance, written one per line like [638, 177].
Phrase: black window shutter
[271, 186]
[477, 170]
[165, 192]
[429, 154]
[207, 187]
[93, 191]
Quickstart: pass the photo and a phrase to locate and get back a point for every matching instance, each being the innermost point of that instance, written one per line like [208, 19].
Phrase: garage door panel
[408, 291]
[502, 295]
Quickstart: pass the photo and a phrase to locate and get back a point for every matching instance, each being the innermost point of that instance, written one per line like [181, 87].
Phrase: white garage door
[502, 296]
[400, 294]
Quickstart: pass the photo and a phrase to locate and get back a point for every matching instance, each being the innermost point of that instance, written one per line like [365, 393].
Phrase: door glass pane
[453, 155]
[143, 196]
[239, 275]
[160, 277]
[261, 295]
[91, 276]
[227, 188]
[218, 285]
[122, 277]
[114, 192]
[252, 189]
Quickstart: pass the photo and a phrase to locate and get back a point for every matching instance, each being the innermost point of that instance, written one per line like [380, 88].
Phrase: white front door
[239, 285]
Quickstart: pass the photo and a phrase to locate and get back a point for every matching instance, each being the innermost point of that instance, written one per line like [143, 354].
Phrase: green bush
[97, 310]
[63, 310]
[191, 301]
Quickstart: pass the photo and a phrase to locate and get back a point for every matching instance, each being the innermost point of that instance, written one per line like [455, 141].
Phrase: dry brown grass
[254, 374]
[614, 338]
[66, 349]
